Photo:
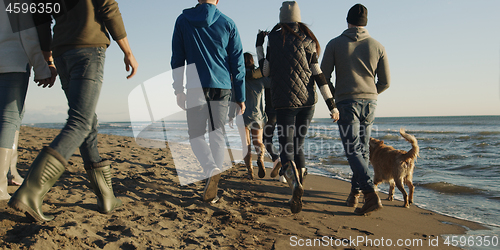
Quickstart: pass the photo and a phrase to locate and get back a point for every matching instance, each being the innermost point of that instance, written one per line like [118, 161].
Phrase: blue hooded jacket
[209, 39]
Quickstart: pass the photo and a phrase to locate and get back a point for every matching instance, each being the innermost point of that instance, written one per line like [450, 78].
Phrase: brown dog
[394, 166]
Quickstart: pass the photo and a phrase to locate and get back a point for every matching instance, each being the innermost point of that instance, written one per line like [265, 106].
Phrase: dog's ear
[376, 141]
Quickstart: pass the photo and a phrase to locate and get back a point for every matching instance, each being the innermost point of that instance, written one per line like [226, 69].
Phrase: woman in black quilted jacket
[292, 65]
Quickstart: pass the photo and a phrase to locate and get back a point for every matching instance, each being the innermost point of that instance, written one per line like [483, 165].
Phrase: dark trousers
[268, 134]
[292, 130]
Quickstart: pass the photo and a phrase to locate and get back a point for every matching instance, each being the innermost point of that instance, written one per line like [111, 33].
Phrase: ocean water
[457, 173]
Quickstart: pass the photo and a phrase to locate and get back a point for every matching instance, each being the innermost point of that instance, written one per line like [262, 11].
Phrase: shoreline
[421, 206]
[160, 213]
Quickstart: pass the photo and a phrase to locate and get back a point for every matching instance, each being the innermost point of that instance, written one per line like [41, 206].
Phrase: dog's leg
[411, 187]
[392, 185]
[399, 184]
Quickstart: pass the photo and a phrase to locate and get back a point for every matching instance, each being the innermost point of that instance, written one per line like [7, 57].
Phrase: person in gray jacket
[357, 59]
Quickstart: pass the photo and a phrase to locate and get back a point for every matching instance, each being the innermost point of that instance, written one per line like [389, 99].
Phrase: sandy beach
[159, 213]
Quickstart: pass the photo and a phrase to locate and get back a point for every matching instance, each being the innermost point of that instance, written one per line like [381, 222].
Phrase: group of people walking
[292, 68]
[286, 77]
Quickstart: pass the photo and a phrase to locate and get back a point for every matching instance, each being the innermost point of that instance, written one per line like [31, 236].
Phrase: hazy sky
[444, 56]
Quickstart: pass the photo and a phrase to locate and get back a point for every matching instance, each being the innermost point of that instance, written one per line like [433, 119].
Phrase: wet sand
[159, 213]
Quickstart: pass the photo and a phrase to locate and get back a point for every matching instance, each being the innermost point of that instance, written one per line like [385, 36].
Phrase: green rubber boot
[99, 175]
[5, 154]
[47, 168]
[13, 176]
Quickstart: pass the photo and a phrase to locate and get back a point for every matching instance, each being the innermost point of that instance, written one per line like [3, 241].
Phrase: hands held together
[48, 82]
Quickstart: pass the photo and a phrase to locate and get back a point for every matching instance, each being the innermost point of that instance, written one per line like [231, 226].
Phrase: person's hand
[260, 38]
[49, 82]
[181, 100]
[242, 108]
[130, 64]
[335, 115]
[45, 83]
[53, 72]
[231, 122]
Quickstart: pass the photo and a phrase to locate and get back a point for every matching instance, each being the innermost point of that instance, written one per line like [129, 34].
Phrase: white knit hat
[289, 12]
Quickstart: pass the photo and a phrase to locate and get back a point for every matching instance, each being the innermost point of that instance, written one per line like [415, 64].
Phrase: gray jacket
[254, 88]
[357, 59]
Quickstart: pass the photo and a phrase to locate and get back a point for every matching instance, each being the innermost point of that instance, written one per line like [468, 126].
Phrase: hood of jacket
[203, 15]
[356, 34]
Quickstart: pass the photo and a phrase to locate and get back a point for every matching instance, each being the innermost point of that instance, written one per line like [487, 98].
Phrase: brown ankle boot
[352, 199]
[372, 203]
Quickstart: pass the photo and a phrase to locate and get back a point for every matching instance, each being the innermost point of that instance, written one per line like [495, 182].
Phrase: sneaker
[291, 174]
[282, 179]
[210, 191]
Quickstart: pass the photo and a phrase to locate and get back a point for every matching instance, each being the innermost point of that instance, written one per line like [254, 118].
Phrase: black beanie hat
[358, 15]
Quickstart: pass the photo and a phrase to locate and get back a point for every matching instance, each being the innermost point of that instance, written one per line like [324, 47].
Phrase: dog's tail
[413, 153]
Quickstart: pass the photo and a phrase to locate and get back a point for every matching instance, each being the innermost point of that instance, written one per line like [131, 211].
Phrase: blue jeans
[292, 130]
[81, 73]
[208, 106]
[355, 125]
[13, 88]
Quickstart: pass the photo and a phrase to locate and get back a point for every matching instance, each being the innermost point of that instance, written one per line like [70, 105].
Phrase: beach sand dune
[159, 213]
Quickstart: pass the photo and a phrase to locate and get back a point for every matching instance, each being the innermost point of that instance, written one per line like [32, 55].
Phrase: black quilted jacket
[292, 83]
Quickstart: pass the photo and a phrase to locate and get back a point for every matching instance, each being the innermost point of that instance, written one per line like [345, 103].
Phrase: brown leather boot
[352, 199]
[372, 203]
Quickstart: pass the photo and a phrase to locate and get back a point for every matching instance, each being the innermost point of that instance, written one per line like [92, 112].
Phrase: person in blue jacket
[208, 40]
